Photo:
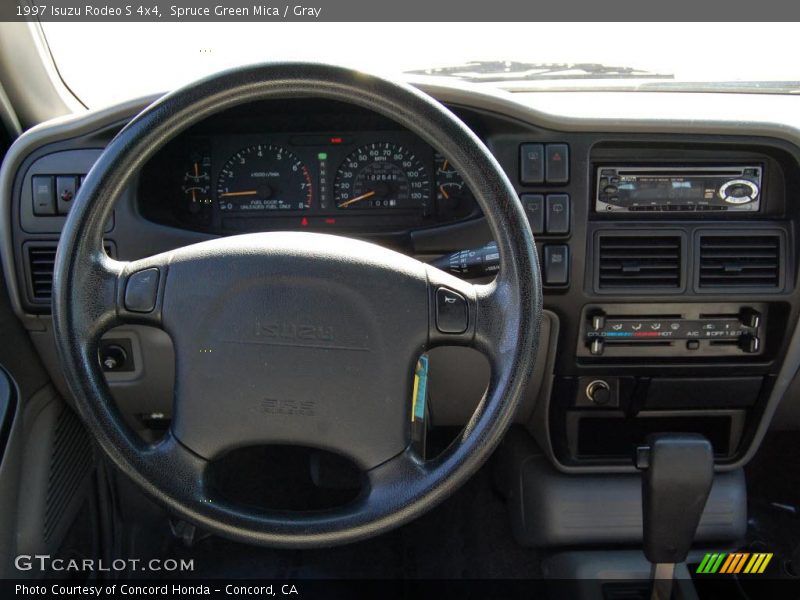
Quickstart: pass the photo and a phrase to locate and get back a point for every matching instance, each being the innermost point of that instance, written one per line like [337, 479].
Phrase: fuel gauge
[196, 186]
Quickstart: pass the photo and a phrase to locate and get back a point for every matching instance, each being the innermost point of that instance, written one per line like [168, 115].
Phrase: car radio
[678, 189]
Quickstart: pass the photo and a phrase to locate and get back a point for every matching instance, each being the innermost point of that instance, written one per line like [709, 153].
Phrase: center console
[679, 306]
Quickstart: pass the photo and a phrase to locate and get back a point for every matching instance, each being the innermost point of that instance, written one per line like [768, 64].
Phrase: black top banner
[743, 11]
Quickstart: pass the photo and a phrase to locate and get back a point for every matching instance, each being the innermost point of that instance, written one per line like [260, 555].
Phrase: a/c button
[451, 311]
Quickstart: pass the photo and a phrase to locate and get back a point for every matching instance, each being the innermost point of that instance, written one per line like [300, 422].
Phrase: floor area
[468, 536]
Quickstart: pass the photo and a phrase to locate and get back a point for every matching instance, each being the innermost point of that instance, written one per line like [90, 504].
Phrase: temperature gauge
[196, 186]
[453, 197]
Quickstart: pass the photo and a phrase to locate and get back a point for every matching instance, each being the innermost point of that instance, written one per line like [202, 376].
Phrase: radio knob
[739, 191]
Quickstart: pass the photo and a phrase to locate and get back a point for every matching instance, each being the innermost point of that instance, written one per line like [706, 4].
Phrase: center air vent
[751, 260]
[638, 262]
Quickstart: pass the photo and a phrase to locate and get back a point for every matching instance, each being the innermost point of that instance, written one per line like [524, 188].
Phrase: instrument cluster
[362, 181]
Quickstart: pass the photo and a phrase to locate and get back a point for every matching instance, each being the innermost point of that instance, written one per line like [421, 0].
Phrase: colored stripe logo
[731, 563]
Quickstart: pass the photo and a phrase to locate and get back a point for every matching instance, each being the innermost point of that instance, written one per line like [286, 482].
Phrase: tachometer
[264, 177]
[382, 175]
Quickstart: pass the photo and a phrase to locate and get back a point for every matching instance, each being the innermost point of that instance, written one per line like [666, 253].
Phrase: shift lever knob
[679, 469]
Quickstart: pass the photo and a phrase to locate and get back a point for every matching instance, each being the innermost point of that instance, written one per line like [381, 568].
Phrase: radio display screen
[658, 189]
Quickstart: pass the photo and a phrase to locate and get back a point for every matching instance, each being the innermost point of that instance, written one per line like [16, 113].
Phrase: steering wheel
[295, 338]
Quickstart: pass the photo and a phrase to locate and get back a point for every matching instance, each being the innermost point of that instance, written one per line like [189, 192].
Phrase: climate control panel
[673, 330]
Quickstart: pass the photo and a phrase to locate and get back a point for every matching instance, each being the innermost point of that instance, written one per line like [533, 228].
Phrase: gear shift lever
[679, 469]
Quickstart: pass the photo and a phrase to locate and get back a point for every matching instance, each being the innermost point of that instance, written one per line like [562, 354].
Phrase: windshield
[104, 63]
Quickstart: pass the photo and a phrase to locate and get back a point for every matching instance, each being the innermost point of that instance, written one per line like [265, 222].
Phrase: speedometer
[264, 177]
[382, 175]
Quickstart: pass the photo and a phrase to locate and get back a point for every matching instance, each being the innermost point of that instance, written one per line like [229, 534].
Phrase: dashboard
[341, 170]
[668, 249]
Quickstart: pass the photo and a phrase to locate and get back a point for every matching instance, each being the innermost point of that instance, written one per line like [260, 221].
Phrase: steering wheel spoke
[475, 315]
[172, 465]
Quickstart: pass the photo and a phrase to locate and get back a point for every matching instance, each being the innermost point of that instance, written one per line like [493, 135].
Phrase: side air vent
[640, 262]
[40, 258]
[743, 260]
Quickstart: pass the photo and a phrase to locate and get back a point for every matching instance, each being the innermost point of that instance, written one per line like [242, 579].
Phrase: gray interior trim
[690, 113]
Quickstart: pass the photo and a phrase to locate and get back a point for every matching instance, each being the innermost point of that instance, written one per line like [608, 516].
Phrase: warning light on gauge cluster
[336, 140]
[304, 222]
[330, 221]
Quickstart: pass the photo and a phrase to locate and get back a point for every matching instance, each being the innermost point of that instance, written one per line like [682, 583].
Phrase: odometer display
[382, 175]
[264, 177]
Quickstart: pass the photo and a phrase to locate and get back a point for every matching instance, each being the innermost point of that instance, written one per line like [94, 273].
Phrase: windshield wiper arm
[492, 71]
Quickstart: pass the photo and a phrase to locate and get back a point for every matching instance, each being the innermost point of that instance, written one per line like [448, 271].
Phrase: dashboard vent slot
[739, 261]
[639, 262]
[41, 258]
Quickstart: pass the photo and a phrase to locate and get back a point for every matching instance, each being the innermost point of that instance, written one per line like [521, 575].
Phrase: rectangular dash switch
[557, 163]
[556, 264]
[534, 210]
[531, 163]
[557, 213]
[44, 195]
